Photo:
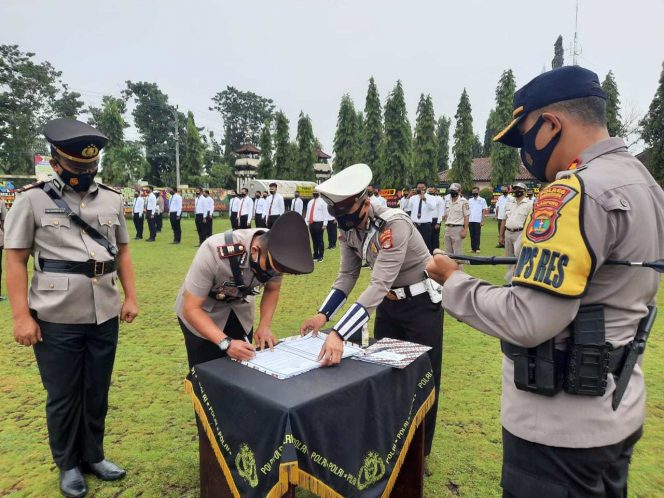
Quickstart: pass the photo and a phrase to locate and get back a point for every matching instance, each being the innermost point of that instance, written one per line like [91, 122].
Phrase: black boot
[105, 470]
[72, 483]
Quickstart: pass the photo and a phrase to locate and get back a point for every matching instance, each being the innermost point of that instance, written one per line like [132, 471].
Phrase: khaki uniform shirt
[35, 222]
[456, 211]
[3, 216]
[399, 260]
[516, 213]
[624, 219]
[210, 271]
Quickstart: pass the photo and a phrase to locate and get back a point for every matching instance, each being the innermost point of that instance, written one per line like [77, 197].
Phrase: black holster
[538, 370]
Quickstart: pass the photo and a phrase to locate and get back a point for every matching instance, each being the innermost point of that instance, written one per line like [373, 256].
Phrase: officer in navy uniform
[406, 301]
[572, 326]
[75, 230]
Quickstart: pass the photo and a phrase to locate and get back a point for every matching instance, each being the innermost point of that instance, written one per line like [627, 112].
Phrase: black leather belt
[514, 229]
[89, 268]
[450, 225]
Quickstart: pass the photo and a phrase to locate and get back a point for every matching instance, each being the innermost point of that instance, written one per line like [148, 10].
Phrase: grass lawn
[150, 427]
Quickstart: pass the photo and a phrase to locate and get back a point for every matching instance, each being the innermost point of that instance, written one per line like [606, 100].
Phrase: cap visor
[288, 244]
[510, 134]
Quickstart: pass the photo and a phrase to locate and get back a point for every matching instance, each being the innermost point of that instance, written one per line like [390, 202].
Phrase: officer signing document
[571, 327]
[406, 301]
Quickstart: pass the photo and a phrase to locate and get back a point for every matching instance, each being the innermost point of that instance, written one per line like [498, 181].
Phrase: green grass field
[150, 427]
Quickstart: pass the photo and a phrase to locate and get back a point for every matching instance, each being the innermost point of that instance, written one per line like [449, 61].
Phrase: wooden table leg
[410, 481]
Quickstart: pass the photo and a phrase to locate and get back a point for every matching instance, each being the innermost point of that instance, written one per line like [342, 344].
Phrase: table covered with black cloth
[340, 431]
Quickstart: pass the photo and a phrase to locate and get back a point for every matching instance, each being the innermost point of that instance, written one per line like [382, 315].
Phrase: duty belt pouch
[587, 365]
[535, 369]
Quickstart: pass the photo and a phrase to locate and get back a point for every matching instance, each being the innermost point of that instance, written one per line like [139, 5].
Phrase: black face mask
[518, 193]
[272, 192]
[475, 194]
[316, 196]
[536, 160]
[454, 194]
[349, 221]
[261, 275]
[81, 182]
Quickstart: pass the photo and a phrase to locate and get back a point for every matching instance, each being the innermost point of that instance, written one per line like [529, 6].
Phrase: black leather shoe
[105, 470]
[72, 483]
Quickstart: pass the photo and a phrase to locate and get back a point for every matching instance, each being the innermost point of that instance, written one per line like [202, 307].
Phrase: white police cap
[519, 185]
[455, 186]
[342, 190]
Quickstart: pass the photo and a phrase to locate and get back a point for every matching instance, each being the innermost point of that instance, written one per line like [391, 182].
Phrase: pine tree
[478, 147]
[396, 151]
[425, 148]
[652, 132]
[373, 129]
[345, 138]
[463, 144]
[490, 131]
[443, 141]
[359, 137]
[281, 147]
[558, 58]
[613, 119]
[306, 149]
[504, 160]
[191, 165]
[265, 167]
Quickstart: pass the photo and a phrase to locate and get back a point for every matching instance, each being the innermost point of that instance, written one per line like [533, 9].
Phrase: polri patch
[230, 250]
[546, 211]
[385, 239]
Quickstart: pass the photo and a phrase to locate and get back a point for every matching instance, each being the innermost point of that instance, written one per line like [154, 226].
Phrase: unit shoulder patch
[230, 250]
[385, 239]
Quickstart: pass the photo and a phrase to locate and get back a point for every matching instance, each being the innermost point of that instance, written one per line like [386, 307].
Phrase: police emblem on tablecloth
[546, 211]
[372, 470]
[245, 462]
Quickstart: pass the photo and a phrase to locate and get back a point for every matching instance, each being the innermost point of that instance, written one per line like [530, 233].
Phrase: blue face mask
[535, 159]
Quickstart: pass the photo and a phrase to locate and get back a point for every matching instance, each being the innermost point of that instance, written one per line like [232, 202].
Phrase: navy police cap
[75, 140]
[564, 83]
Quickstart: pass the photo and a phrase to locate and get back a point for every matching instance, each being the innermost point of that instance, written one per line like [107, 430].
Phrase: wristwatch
[224, 344]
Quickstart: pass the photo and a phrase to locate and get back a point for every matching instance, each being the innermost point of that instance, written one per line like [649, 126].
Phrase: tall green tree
[425, 147]
[31, 93]
[109, 119]
[478, 147]
[443, 141]
[217, 172]
[345, 137]
[373, 129]
[266, 165]
[463, 144]
[243, 113]
[397, 149]
[652, 132]
[490, 131]
[306, 149]
[558, 53]
[359, 137]
[281, 147]
[504, 160]
[193, 151]
[613, 118]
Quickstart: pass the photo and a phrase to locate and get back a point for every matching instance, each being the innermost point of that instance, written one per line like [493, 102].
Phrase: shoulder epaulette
[30, 186]
[230, 250]
[119, 192]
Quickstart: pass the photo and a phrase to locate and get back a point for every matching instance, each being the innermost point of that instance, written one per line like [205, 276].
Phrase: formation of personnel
[572, 327]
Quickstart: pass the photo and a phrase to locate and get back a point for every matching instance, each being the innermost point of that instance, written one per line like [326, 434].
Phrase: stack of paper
[393, 352]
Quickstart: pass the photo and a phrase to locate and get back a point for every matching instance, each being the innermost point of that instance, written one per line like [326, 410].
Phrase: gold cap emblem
[90, 151]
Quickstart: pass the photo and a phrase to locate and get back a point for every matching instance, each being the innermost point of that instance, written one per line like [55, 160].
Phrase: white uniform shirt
[259, 207]
[245, 205]
[209, 208]
[440, 208]
[320, 212]
[152, 203]
[297, 205]
[404, 203]
[139, 205]
[274, 205]
[200, 205]
[175, 206]
[376, 200]
[477, 206]
[500, 205]
[429, 208]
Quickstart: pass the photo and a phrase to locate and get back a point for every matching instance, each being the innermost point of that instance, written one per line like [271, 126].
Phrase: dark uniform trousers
[175, 225]
[259, 221]
[208, 227]
[234, 223]
[75, 363]
[425, 230]
[152, 225]
[475, 229]
[418, 320]
[271, 219]
[200, 350]
[200, 228]
[243, 222]
[139, 221]
[159, 221]
[435, 235]
[316, 232]
[331, 234]
[536, 470]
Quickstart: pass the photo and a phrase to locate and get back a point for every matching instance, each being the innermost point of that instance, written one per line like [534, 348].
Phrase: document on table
[392, 352]
[294, 356]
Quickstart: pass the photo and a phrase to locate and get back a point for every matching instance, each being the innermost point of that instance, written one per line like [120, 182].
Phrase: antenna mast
[576, 50]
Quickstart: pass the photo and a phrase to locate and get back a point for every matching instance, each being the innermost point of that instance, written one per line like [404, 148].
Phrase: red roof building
[481, 169]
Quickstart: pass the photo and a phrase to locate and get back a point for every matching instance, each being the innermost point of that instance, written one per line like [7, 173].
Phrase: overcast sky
[305, 54]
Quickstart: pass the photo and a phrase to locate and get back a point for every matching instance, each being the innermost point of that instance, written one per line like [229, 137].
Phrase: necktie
[269, 211]
[239, 213]
[311, 214]
[419, 209]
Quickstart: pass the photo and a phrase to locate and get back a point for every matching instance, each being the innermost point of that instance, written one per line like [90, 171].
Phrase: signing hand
[241, 350]
[264, 337]
[441, 267]
[26, 331]
[313, 324]
[129, 310]
[330, 353]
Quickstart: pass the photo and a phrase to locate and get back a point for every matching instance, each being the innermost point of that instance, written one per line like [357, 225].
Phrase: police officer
[516, 212]
[457, 215]
[3, 215]
[75, 230]
[216, 304]
[407, 303]
[151, 210]
[572, 431]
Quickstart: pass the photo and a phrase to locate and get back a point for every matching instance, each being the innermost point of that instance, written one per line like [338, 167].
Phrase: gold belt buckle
[391, 295]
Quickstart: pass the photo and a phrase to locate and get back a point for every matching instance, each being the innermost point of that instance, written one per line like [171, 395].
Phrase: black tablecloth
[340, 431]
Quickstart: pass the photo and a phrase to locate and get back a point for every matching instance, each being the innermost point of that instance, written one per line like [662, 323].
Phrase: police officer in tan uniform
[216, 303]
[516, 212]
[573, 400]
[406, 301]
[457, 214]
[3, 215]
[75, 230]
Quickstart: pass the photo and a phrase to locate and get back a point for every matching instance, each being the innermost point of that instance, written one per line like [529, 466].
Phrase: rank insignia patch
[385, 239]
[230, 250]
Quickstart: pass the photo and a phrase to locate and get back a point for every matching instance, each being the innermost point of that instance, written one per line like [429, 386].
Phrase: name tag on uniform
[54, 211]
